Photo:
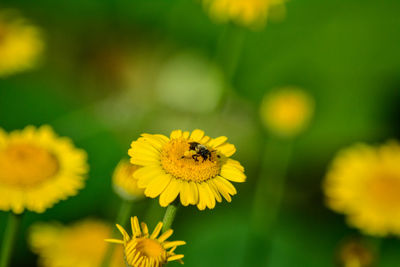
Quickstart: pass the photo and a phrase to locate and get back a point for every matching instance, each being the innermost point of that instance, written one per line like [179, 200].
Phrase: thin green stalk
[271, 183]
[169, 216]
[9, 238]
[267, 197]
[122, 218]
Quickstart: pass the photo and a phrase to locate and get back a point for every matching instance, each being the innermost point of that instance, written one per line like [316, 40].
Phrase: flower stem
[122, 218]
[9, 239]
[268, 196]
[169, 216]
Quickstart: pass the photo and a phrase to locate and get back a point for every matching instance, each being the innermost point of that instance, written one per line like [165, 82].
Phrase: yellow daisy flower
[20, 43]
[250, 13]
[194, 166]
[287, 111]
[364, 183]
[38, 169]
[145, 250]
[79, 245]
[124, 184]
[354, 253]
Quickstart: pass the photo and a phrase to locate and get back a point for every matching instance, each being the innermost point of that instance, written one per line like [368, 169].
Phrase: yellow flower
[38, 169]
[20, 43]
[354, 253]
[145, 250]
[125, 185]
[172, 167]
[287, 111]
[79, 245]
[250, 13]
[364, 183]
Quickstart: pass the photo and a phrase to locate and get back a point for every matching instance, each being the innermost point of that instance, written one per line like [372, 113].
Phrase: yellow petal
[229, 187]
[197, 135]
[214, 189]
[170, 192]
[146, 174]
[156, 231]
[175, 257]
[206, 197]
[176, 134]
[135, 226]
[171, 244]
[231, 173]
[217, 141]
[165, 235]
[185, 134]
[227, 149]
[222, 189]
[158, 185]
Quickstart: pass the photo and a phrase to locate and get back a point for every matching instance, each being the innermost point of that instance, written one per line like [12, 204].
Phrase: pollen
[26, 165]
[176, 159]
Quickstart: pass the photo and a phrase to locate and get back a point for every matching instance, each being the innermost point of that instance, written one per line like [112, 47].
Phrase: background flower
[21, 43]
[38, 169]
[364, 184]
[80, 244]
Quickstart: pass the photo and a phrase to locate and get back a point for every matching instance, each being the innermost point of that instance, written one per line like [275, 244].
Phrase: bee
[201, 151]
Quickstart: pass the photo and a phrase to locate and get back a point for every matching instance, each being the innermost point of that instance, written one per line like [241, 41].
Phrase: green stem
[10, 235]
[267, 197]
[122, 218]
[271, 183]
[169, 216]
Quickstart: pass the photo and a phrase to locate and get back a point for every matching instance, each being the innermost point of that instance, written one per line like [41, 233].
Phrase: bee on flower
[192, 166]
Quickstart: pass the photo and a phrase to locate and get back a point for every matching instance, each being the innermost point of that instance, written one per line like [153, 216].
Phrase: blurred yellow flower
[249, 13]
[125, 185]
[287, 111]
[145, 250]
[193, 165]
[79, 245]
[20, 43]
[353, 253]
[364, 183]
[38, 169]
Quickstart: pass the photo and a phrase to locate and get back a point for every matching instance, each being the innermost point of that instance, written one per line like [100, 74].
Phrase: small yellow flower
[249, 13]
[38, 169]
[172, 167]
[364, 183]
[287, 111]
[20, 43]
[125, 185]
[79, 245]
[354, 253]
[145, 250]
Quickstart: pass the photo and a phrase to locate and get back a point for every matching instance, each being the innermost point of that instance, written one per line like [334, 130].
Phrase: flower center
[150, 248]
[384, 192]
[25, 165]
[183, 163]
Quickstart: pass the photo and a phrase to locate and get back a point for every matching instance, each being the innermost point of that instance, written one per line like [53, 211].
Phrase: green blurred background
[115, 69]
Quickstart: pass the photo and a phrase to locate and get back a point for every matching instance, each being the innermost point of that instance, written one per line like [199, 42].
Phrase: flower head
[250, 13]
[354, 253]
[191, 165]
[364, 183]
[20, 43]
[145, 250]
[125, 185]
[79, 245]
[38, 169]
[287, 112]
